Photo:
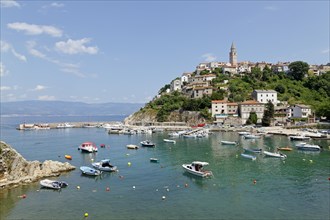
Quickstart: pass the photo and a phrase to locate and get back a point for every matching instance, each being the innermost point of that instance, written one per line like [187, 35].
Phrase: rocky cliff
[191, 118]
[15, 170]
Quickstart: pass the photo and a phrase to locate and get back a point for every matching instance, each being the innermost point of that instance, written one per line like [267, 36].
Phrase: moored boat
[105, 165]
[69, 157]
[243, 132]
[53, 184]
[308, 147]
[65, 125]
[248, 156]
[274, 154]
[147, 143]
[132, 146]
[298, 138]
[90, 171]
[89, 147]
[253, 150]
[229, 142]
[154, 160]
[284, 148]
[196, 168]
[169, 141]
[251, 136]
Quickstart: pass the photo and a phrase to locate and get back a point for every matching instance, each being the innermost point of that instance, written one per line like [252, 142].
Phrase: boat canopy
[199, 163]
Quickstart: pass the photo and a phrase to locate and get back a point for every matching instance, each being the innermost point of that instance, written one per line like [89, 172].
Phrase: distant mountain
[44, 108]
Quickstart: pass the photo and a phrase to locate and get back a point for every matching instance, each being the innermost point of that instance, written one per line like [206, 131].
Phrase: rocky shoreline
[16, 170]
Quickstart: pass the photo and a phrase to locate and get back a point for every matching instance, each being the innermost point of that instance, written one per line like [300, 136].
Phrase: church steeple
[233, 55]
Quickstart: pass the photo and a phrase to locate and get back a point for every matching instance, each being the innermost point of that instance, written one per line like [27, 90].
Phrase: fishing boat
[132, 146]
[308, 147]
[229, 142]
[147, 143]
[53, 184]
[196, 168]
[105, 165]
[273, 154]
[248, 156]
[90, 171]
[89, 147]
[254, 150]
[69, 157]
[284, 148]
[169, 141]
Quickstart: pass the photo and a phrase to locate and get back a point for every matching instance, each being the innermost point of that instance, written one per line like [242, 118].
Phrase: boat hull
[90, 171]
[228, 143]
[196, 173]
[247, 156]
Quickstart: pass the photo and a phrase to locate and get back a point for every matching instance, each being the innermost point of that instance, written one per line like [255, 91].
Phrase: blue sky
[125, 51]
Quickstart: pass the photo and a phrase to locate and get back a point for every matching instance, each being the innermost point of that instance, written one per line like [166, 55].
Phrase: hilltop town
[236, 93]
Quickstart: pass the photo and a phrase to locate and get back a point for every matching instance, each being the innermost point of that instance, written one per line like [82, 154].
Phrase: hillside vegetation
[295, 87]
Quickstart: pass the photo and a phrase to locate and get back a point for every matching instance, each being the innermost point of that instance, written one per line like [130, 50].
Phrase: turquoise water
[296, 188]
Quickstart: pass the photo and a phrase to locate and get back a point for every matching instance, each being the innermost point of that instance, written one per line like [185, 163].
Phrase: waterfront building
[245, 108]
[300, 111]
[263, 96]
[199, 92]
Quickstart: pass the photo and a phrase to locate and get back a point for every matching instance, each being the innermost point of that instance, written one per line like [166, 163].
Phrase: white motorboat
[89, 147]
[243, 132]
[169, 141]
[90, 171]
[248, 156]
[53, 184]
[229, 142]
[298, 138]
[147, 143]
[64, 125]
[251, 136]
[196, 168]
[253, 150]
[308, 147]
[132, 146]
[273, 154]
[105, 165]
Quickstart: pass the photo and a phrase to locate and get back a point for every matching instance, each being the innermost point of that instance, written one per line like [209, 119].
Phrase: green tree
[268, 114]
[298, 70]
[280, 88]
[253, 118]
[164, 88]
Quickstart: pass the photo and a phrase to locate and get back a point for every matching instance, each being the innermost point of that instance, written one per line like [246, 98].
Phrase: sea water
[267, 188]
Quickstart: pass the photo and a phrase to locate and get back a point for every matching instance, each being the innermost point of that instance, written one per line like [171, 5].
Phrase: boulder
[15, 169]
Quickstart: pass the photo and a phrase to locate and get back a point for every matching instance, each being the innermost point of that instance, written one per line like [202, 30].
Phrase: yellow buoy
[129, 164]
[78, 187]
[86, 214]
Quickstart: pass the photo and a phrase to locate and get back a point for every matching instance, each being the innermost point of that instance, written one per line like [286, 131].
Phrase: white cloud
[9, 4]
[325, 51]
[209, 57]
[39, 88]
[56, 5]
[75, 46]
[3, 70]
[46, 98]
[5, 88]
[5, 47]
[74, 71]
[271, 8]
[33, 29]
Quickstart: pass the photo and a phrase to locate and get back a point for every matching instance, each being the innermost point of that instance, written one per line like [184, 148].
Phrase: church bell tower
[233, 55]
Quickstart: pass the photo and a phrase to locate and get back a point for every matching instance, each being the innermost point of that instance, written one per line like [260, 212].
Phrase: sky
[125, 51]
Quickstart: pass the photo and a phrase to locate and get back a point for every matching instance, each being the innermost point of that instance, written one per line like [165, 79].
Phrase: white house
[185, 77]
[300, 111]
[176, 85]
[263, 96]
[245, 108]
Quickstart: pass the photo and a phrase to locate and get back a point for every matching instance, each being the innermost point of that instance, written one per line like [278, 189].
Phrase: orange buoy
[68, 157]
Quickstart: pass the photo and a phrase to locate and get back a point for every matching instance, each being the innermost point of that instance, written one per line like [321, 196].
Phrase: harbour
[293, 188]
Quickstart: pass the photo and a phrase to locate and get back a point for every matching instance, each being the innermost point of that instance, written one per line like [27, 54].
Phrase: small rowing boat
[154, 160]
[284, 148]
[169, 141]
[68, 157]
[132, 146]
[229, 142]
